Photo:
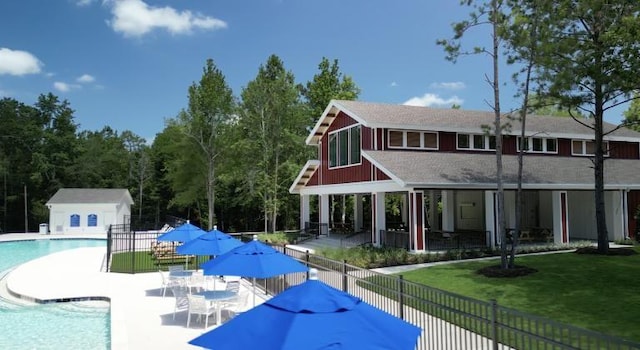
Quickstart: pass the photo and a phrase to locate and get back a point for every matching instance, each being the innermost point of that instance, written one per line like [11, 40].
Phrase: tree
[272, 129]
[632, 114]
[588, 62]
[487, 13]
[326, 85]
[211, 106]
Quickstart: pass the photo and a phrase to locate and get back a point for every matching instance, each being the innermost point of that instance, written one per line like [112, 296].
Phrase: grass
[143, 261]
[600, 293]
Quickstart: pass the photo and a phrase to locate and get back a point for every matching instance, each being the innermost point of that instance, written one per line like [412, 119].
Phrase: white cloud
[430, 100]
[16, 62]
[84, 2]
[86, 78]
[393, 84]
[64, 87]
[453, 85]
[134, 18]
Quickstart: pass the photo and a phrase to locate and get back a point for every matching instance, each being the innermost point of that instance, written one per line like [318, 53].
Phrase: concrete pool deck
[140, 317]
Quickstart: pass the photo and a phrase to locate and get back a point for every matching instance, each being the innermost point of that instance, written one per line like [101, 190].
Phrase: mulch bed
[610, 251]
[498, 271]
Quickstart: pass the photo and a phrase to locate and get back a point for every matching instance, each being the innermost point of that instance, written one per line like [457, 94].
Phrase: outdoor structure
[88, 210]
[442, 164]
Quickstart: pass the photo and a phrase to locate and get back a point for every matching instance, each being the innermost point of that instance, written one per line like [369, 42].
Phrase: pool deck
[140, 317]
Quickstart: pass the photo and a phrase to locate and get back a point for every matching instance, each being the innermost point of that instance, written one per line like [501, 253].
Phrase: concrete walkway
[140, 317]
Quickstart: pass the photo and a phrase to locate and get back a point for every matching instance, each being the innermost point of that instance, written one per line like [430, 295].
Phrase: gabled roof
[379, 115]
[304, 175]
[91, 196]
[466, 170]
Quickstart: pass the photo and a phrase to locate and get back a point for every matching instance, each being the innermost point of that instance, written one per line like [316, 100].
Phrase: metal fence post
[401, 296]
[345, 288]
[494, 323]
[306, 259]
[109, 238]
[133, 255]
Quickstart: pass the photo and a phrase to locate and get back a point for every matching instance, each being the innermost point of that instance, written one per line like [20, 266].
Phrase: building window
[587, 147]
[92, 220]
[476, 142]
[344, 147]
[412, 139]
[539, 145]
[75, 220]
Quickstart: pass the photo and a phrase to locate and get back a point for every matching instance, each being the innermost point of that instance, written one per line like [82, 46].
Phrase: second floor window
[587, 147]
[412, 139]
[539, 145]
[476, 142]
[344, 147]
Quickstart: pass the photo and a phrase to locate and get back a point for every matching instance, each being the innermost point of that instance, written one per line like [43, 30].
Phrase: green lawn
[600, 293]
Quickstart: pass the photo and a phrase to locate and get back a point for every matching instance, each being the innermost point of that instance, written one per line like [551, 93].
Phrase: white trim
[355, 187]
[308, 164]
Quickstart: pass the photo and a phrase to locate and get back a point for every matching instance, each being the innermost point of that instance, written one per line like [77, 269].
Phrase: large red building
[442, 161]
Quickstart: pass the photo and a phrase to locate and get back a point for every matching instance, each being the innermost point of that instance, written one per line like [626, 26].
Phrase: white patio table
[218, 296]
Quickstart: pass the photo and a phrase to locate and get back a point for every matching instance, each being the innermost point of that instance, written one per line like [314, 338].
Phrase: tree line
[224, 160]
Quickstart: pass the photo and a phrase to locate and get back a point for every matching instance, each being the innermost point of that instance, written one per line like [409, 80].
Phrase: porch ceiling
[460, 170]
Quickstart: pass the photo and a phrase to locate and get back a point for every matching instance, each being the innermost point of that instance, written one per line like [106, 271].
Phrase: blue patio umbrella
[214, 242]
[312, 315]
[183, 233]
[253, 259]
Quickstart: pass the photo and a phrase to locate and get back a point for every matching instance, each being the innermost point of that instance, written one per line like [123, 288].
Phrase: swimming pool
[76, 325]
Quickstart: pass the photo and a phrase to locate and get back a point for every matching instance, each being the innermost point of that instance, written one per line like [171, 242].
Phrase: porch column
[560, 217]
[510, 208]
[416, 221]
[448, 211]
[432, 216]
[378, 220]
[357, 212]
[616, 213]
[404, 208]
[323, 216]
[490, 218]
[305, 210]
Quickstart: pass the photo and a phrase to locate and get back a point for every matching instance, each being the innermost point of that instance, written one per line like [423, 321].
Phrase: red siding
[367, 138]
[340, 122]
[624, 150]
[447, 141]
[633, 200]
[564, 147]
[509, 145]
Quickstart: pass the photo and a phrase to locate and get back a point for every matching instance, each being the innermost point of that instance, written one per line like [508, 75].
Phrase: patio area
[140, 316]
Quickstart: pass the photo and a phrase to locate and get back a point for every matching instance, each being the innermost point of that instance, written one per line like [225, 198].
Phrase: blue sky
[128, 63]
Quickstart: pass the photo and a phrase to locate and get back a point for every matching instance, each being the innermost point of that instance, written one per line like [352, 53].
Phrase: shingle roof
[465, 170]
[90, 195]
[460, 120]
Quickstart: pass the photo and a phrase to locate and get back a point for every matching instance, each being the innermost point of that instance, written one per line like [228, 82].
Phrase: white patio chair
[196, 281]
[237, 305]
[198, 305]
[166, 282]
[233, 286]
[181, 293]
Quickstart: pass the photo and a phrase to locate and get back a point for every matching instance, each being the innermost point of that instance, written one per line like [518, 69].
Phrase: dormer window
[344, 147]
[412, 139]
[476, 142]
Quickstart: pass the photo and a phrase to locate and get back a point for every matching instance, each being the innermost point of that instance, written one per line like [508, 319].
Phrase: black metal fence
[447, 320]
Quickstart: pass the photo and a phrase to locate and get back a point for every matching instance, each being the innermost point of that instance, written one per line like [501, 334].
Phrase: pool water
[75, 325]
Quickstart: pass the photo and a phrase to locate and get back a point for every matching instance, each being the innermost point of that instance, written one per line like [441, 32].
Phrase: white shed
[88, 210]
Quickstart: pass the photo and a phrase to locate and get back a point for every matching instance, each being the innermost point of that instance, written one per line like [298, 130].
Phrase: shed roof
[91, 196]
[466, 170]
